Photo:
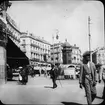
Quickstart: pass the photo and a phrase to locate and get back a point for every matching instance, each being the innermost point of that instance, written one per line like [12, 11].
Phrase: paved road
[39, 91]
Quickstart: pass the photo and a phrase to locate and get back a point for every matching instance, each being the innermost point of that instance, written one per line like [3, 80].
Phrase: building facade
[71, 54]
[35, 48]
[75, 55]
[100, 56]
[64, 53]
[56, 53]
[13, 30]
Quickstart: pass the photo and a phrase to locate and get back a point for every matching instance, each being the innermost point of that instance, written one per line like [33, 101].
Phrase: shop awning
[15, 57]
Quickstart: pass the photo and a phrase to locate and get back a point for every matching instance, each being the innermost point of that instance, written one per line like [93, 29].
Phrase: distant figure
[88, 77]
[53, 74]
[9, 73]
[45, 71]
[101, 76]
[24, 74]
[32, 72]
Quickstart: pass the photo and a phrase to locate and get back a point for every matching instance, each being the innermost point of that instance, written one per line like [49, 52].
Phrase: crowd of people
[90, 74]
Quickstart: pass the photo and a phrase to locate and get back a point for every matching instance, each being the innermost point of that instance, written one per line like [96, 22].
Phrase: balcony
[23, 44]
[36, 52]
[34, 59]
[34, 45]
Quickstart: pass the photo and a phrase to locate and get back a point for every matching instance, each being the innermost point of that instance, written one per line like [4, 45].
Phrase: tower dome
[66, 44]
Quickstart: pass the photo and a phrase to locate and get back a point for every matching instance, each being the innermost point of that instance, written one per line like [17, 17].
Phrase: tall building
[13, 30]
[71, 54]
[35, 48]
[65, 53]
[15, 57]
[56, 53]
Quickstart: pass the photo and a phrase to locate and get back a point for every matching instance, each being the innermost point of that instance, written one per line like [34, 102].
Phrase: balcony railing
[34, 45]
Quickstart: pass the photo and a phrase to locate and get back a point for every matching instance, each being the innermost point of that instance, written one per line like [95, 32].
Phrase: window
[23, 46]
[74, 58]
[56, 58]
[99, 55]
[23, 41]
[69, 54]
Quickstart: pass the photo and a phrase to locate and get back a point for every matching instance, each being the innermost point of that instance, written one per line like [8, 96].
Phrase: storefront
[15, 57]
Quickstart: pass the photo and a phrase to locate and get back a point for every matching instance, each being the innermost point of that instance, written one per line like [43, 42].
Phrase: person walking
[24, 73]
[53, 75]
[87, 77]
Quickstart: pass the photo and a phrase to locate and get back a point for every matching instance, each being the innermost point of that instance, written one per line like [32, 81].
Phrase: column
[3, 41]
[2, 64]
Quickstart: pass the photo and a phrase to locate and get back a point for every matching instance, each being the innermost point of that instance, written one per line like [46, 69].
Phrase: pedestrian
[45, 71]
[99, 72]
[101, 76]
[87, 77]
[24, 74]
[53, 74]
[9, 73]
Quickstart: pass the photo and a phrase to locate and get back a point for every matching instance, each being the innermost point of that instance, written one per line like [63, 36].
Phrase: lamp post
[89, 38]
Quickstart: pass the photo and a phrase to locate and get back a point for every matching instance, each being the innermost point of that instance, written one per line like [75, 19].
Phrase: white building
[35, 48]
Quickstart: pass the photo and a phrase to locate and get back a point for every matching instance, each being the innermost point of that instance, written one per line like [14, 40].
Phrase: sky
[46, 18]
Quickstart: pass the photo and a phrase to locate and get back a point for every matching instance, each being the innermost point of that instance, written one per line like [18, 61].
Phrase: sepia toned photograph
[52, 52]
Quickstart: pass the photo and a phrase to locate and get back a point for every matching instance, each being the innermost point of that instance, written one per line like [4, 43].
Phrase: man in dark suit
[53, 74]
[88, 77]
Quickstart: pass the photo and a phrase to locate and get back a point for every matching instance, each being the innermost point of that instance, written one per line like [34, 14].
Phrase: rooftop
[66, 44]
[31, 35]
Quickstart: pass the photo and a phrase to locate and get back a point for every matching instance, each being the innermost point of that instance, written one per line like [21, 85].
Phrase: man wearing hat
[88, 77]
[53, 74]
